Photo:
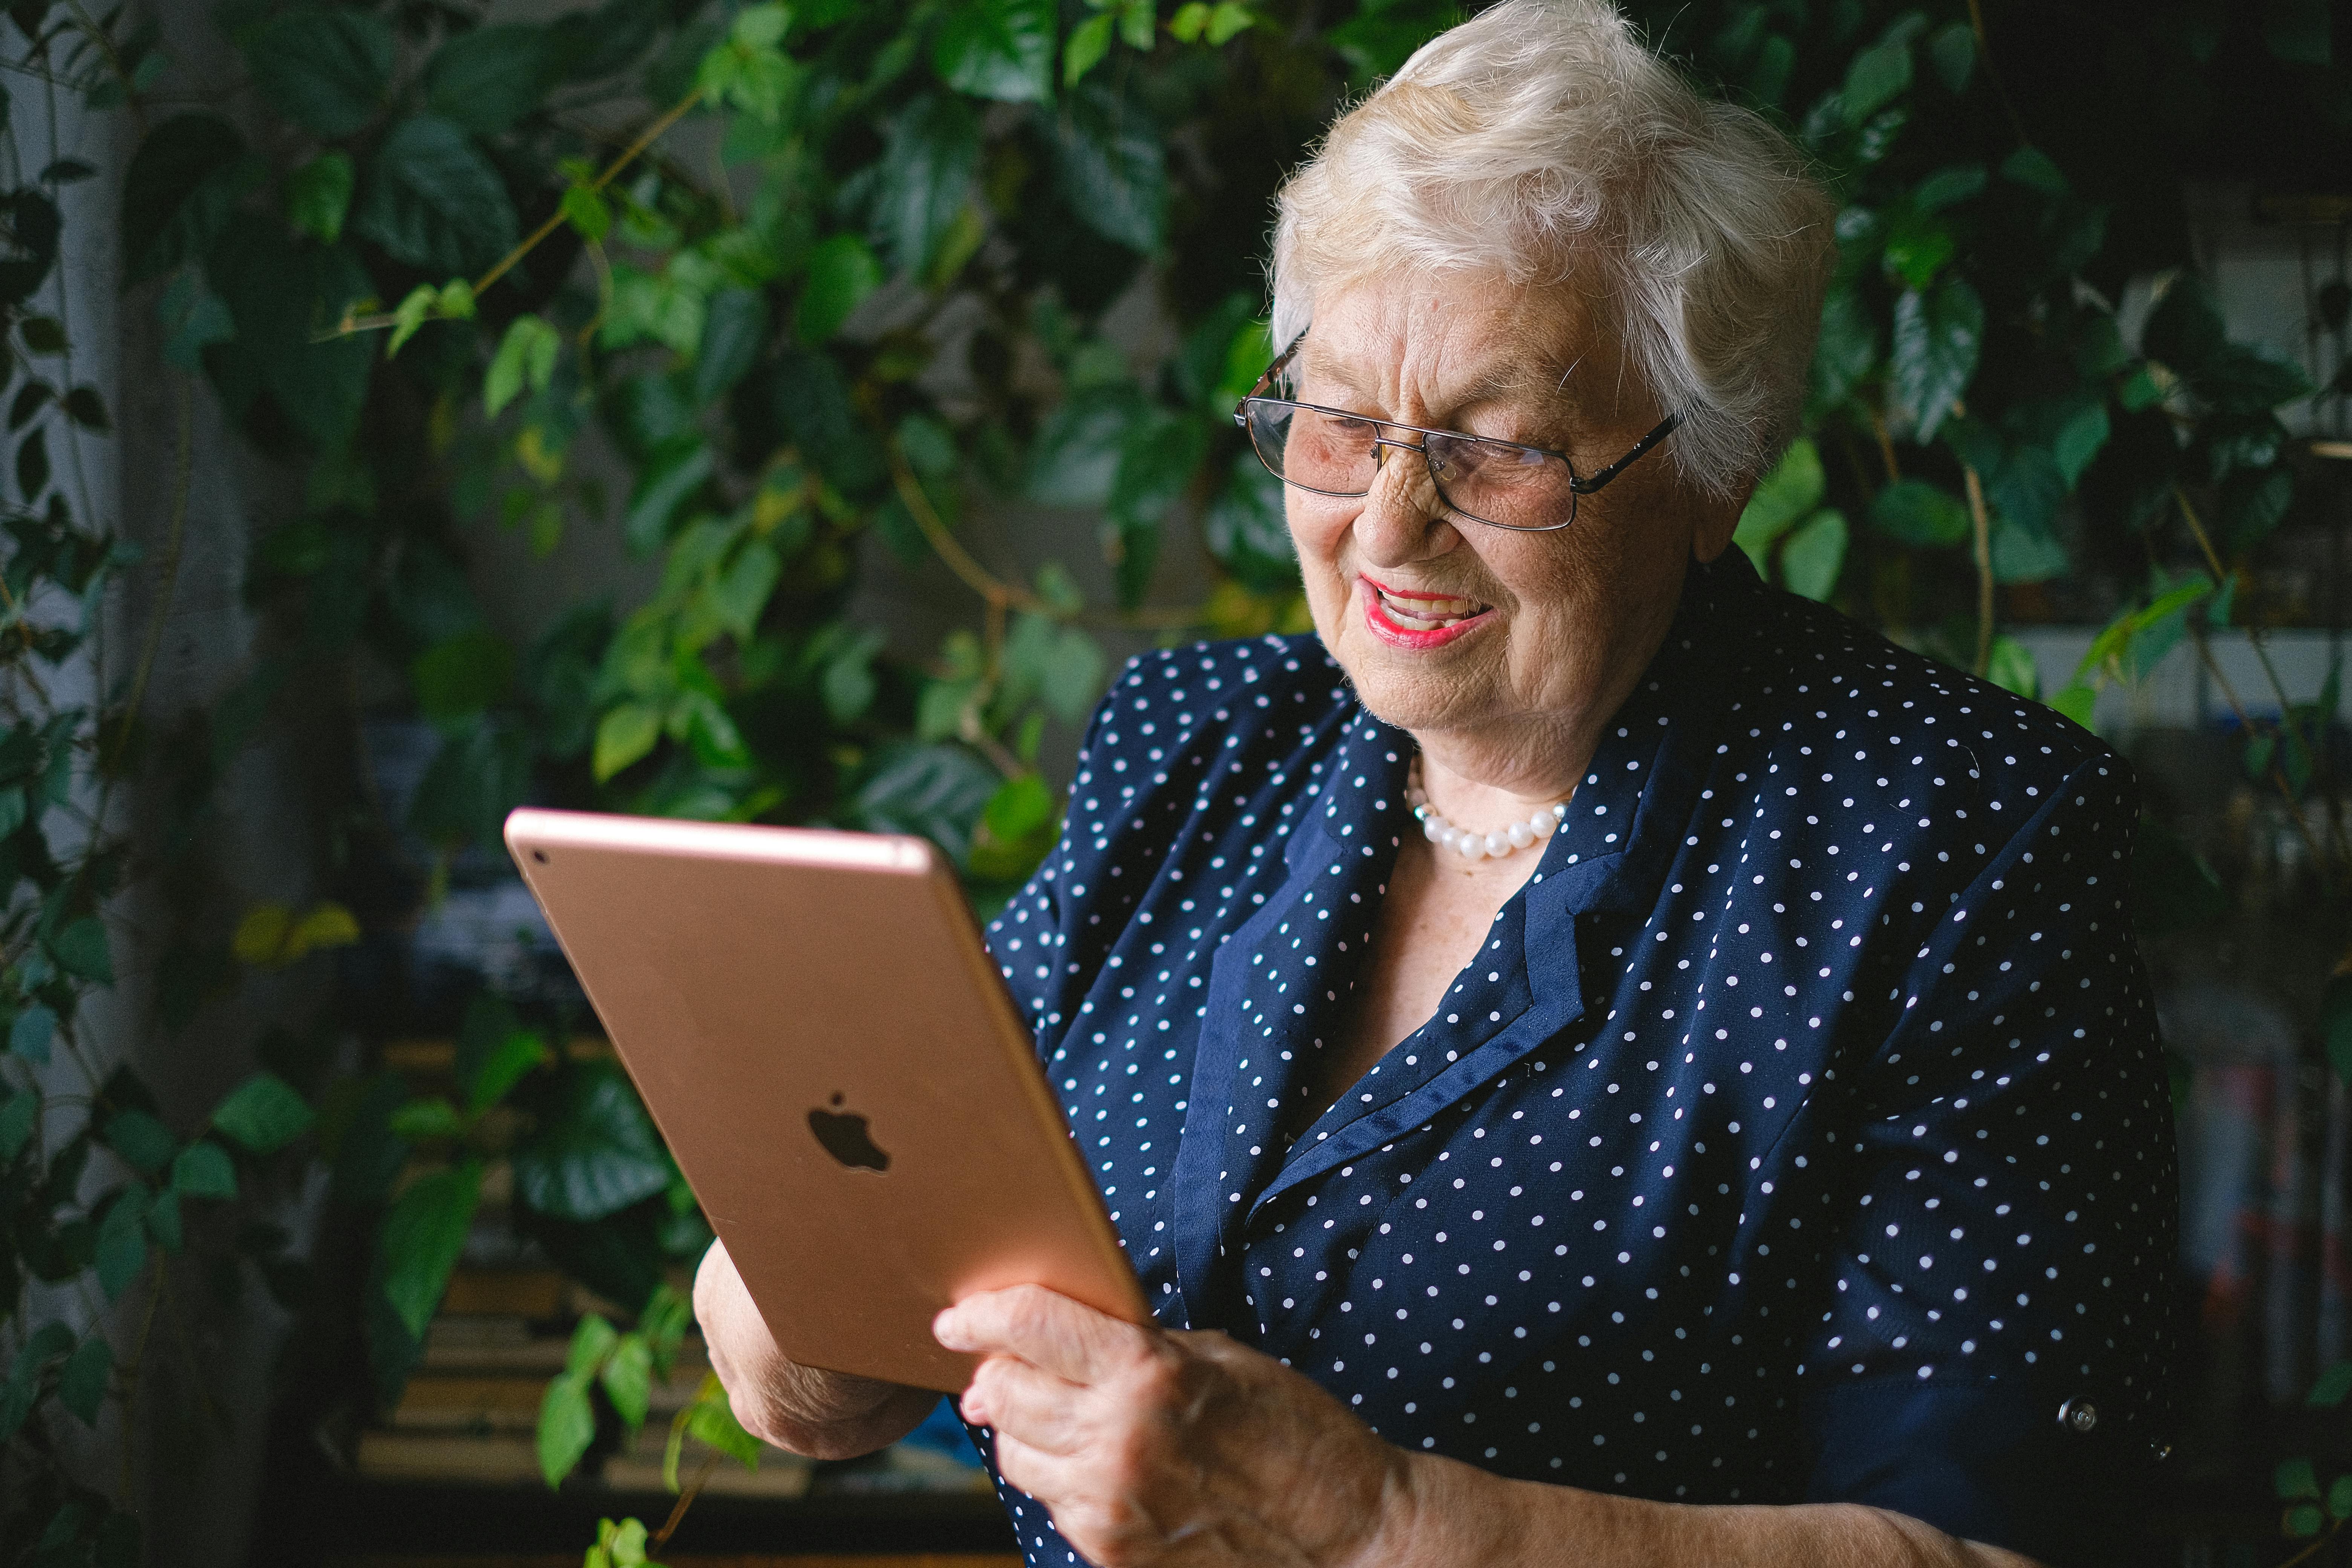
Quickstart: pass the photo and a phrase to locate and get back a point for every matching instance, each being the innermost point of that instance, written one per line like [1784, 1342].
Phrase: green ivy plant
[117, 1219]
[766, 290]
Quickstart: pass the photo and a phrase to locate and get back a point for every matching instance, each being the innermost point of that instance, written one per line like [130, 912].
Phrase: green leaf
[623, 735]
[2185, 332]
[2303, 1521]
[591, 1342]
[2079, 440]
[2336, 1381]
[2031, 168]
[2248, 378]
[589, 214]
[848, 685]
[1791, 490]
[1074, 677]
[1246, 531]
[30, 1034]
[734, 331]
[263, 1114]
[422, 1120]
[711, 1419]
[1919, 514]
[192, 318]
[18, 1113]
[1110, 168]
[433, 203]
[318, 195]
[999, 49]
[32, 467]
[144, 1143]
[421, 1238]
[280, 292]
[82, 1382]
[1953, 52]
[2026, 554]
[1948, 187]
[2300, 31]
[668, 479]
[937, 792]
[567, 1425]
[741, 593]
[487, 80]
[2339, 1497]
[82, 950]
[1089, 42]
[525, 358]
[627, 1376]
[2253, 504]
[506, 1066]
[1936, 340]
[2010, 667]
[1847, 350]
[2076, 700]
[461, 675]
[841, 272]
[594, 1153]
[927, 172]
[324, 69]
[202, 1169]
[1814, 555]
[2294, 1478]
[123, 1241]
[164, 1223]
[1875, 79]
[181, 191]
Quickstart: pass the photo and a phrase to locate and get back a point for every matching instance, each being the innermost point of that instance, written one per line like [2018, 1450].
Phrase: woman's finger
[1043, 1410]
[1047, 1330]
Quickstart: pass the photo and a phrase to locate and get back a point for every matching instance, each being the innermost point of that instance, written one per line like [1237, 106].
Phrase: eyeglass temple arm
[1666, 428]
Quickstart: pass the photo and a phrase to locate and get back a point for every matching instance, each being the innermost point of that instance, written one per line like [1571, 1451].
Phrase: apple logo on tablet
[843, 1134]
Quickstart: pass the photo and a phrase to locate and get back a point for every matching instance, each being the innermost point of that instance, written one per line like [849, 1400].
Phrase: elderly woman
[1592, 1059]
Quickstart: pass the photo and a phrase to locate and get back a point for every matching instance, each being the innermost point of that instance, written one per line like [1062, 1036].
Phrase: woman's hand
[824, 1414]
[1152, 1447]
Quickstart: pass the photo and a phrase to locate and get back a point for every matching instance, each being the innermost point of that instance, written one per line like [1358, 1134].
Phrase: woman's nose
[1403, 519]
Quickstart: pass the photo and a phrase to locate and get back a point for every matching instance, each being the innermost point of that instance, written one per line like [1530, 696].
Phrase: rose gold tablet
[830, 1052]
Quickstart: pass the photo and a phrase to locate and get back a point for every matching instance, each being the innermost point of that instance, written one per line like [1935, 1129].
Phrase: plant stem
[1003, 595]
[1984, 52]
[1980, 529]
[684, 1500]
[174, 535]
[530, 242]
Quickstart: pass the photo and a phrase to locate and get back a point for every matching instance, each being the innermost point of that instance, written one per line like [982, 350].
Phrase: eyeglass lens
[1490, 481]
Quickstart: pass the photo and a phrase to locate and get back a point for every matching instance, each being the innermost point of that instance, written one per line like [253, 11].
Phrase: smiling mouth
[1424, 612]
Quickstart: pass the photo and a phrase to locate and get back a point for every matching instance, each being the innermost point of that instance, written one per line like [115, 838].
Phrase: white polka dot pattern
[1800, 1124]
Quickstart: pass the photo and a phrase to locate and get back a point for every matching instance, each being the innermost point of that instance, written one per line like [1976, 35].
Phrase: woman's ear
[1714, 520]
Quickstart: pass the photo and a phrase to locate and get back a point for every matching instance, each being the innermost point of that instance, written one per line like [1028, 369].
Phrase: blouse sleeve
[1993, 1361]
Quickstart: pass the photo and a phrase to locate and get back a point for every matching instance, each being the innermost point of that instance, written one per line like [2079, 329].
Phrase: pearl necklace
[1478, 846]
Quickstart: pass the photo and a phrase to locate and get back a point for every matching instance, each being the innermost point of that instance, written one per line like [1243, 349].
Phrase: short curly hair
[1542, 136]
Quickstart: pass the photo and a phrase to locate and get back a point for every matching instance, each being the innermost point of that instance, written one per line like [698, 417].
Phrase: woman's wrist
[1437, 1513]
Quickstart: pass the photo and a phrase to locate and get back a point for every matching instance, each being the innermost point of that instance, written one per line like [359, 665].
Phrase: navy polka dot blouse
[1799, 1134]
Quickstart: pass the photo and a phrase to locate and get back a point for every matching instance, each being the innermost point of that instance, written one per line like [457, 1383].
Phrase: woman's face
[1447, 625]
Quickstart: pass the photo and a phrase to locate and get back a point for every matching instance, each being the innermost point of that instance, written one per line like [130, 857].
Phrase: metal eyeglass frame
[1576, 487]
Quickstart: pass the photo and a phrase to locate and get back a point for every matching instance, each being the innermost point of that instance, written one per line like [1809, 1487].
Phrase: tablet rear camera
[539, 856]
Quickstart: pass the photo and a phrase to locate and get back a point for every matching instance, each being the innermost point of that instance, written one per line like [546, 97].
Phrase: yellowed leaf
[261, 935]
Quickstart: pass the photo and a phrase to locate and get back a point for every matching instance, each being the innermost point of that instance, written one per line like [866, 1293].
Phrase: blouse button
[2078, 1415]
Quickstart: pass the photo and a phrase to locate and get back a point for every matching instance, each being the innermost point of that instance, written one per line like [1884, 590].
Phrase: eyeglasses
[1503, 484]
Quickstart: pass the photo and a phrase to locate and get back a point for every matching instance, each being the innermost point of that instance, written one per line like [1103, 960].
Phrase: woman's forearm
[1440, 1513]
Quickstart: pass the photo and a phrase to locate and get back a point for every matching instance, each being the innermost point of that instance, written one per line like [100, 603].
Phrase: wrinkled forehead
[1450, 344]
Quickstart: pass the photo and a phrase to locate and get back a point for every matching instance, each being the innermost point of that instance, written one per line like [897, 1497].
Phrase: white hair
[1543, 138]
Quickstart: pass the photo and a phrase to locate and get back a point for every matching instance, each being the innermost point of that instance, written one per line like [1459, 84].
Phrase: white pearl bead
[1473, 848]
[1433, 830]
[1542, 824]
[1498, 845]
[1521, 834]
